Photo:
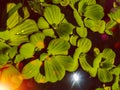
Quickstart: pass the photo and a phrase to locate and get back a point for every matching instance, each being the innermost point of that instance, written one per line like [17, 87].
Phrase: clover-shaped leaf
[3, 59]
[67, 62]
[54, 71]
[73, 40]
[27, 27]
[116, 70]
[84, 44]
[108, 53]
[18, 58]
[12, 52]
[31, 69]
[83, 4]
[56, 1]
[42, 23]
[81, 31]
[19, 34]
[97, 60]
[64, 29]
[116, 85]
[104, 75]
[86, 66]
[78, 18]
[14, 17]
[39, 78]
[64, 2]
[115, 14]
[111, 24]
[4, 35]
[37, 40]
[16, 40]
[95, 25]
[94, 11]
[58, 46]
[12, 76]
[53, 15]
[49, 32]
[27, 50]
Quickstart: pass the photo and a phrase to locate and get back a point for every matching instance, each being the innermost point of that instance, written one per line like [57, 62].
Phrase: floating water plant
[55, 42]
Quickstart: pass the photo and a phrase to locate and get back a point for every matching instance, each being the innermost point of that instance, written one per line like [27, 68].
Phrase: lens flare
[4, 87]
[76, 77]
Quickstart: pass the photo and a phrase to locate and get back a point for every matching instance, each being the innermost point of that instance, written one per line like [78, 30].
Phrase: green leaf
[18, 58]
[116, 85]
[115, 14]
[90, 2]
[31, 69]
[27, 50]
[94, 11]
[4, 35]
[81, 31]
[14, 9]
[12, 52]
[95, 25]
[109, 54]
[58, 46]
[78, 18]
[4, 48]
[116, 70]
[49, 32]
[64, 2]
[81, 6]
[20, 33]
[72, 2]
[11, 76]
[26, 12]
[73, 40]
[42, 23]
[84, 44]
[106, 64]
[100, 89]
[37, 40]
[104, 75]
[16, 40]
[56, 1]
[67, 62]
[76, 56]
[39, 78]
[86, 66]
[54, 71]
[53, 15]
[111, 24]
[25, 28]
[97, 60]
[64, 29]
[14, 17]
[3, 59]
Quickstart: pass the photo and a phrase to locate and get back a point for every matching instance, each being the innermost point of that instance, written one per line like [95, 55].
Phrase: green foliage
[46, 43]
[27, 50]
[31, 69]
[58, 46]
[53, 15]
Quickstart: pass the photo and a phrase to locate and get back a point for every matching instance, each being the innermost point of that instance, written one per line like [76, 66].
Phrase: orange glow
[4, 86]
[40, 44]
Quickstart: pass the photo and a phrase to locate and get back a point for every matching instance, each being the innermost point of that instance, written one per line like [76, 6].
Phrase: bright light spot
[76, 77]
[4, 87]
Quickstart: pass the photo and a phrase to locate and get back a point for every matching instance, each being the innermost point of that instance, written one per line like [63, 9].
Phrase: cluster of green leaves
[24, 37]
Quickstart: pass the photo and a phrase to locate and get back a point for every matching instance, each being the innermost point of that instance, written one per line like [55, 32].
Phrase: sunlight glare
[76, 77]
[4, 87]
